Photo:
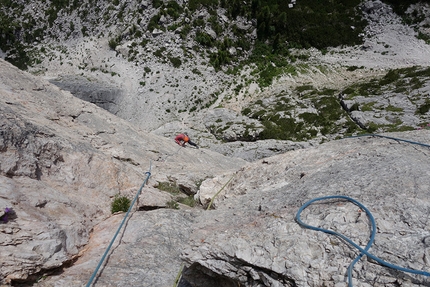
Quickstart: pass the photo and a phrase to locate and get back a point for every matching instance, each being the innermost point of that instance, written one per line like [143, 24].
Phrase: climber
[182, 139]
[4, 215]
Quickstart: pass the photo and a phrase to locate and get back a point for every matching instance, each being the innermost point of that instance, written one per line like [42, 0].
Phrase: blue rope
[119, 228]
[391, 138]
[362, 251]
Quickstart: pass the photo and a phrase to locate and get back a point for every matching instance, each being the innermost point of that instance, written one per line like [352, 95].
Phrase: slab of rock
[252, 238]
[146, 252]
[62, 161]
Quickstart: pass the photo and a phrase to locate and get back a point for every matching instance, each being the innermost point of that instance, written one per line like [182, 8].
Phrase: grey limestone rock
[62, 161]
[252, 237]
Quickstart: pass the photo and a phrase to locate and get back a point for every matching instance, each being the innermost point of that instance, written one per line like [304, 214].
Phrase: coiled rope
[362, 251]
[372, 221]
[148, 173]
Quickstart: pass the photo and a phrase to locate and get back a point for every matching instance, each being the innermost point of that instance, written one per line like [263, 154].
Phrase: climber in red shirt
[182, 139]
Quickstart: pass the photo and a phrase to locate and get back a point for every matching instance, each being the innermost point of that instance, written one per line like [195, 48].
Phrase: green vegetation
[400, 6]
[368, 107]
[159, 52]
[170, 187]
[176, 62]
[424, 108]
[280, 120]
[179, 197]
[189, 200]
[120, 203]
[310, 23]
[406, 82]
[324, 116]
[113, 43]
[172, 204]
[391, 108]
[400, 81]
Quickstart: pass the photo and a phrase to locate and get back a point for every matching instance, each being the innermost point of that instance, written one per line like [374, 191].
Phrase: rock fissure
[255, 275]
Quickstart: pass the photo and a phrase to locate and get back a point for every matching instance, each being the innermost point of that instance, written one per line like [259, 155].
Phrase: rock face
[252, 239]
[62, 160]
[108, 98]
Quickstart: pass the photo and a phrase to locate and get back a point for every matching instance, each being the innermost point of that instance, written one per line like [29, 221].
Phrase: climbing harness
[372, 221]
[148, 173]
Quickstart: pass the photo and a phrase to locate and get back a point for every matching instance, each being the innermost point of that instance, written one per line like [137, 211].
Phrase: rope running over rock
[148, 173]
[372, 221]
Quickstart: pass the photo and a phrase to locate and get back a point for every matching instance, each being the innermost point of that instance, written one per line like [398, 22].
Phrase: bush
[112, 44]
[176, 62]
[204, 39]
[120, 203]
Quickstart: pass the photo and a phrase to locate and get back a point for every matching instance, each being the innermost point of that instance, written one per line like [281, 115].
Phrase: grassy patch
[170, 187]
[368, 107]
[120, 203]
[394, 109]
[189, 200]
[172, 204]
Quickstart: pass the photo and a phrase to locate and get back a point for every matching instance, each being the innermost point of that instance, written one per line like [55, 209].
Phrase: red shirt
[181, 139]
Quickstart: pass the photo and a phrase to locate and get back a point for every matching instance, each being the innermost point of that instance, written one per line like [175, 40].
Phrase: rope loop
[362, 251]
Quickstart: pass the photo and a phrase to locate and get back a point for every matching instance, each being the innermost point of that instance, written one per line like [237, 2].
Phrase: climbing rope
[391, 138]
[168, 155]
[362, 251]
[178, 277]
[148, 173]
[216, 194]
